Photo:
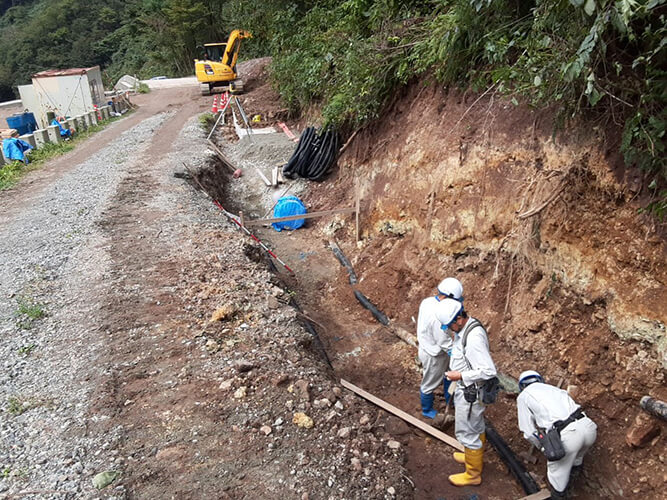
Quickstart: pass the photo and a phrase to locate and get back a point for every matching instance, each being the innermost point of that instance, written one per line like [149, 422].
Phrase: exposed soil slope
[544, 233]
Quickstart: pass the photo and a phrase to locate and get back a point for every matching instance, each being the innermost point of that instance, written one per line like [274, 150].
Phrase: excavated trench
[542, 236]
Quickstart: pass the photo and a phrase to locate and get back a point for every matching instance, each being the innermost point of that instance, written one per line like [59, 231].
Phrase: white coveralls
[540, 405]
[481, 368]
[433, 346]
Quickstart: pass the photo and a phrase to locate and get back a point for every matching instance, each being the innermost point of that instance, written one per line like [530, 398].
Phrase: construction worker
[541, 407]
[434, 345]
[470, 365]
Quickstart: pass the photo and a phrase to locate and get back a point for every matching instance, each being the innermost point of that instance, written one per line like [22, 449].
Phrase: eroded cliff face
[547, 212]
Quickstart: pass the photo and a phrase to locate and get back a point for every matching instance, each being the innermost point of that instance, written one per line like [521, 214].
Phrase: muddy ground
[173, 352]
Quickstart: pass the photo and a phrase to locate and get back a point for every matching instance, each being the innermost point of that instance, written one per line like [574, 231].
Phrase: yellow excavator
[219, 67]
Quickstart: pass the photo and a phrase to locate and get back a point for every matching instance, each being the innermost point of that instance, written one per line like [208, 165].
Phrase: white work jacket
[479, 365]
[429, 334]
[540, 405]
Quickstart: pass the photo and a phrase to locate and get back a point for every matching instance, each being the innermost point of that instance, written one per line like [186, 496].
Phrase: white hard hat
[528, 377]
[447, 310]
[452, 288]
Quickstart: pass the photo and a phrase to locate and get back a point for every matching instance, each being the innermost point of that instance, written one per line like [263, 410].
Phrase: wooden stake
[264, 178]
[405, 416]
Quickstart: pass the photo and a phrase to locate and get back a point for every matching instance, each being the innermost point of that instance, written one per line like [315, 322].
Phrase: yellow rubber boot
[461, 458]
[474, 460]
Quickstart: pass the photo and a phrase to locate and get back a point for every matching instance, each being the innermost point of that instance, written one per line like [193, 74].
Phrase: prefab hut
[63, 92]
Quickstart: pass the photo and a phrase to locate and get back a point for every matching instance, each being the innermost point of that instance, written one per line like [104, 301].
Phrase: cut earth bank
[542, 229]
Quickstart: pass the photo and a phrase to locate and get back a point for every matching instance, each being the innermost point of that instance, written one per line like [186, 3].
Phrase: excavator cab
[214, 51]
[218, 69]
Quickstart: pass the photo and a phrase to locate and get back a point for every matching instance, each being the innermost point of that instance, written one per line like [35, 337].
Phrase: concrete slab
[30, 139]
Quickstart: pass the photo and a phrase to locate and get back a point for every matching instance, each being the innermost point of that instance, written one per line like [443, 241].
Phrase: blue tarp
[14, 149]
[286, 206]
[64, 132]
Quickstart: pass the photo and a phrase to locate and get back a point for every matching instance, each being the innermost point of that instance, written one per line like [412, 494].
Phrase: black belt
[559, 425]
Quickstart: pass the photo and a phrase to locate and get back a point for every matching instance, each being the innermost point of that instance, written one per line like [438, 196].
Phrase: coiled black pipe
[314, 155]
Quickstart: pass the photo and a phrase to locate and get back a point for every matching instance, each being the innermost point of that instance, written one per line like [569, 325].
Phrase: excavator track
[205, 88]
[236, 86]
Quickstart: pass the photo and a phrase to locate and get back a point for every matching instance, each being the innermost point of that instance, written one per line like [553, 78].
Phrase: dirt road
[138, 339]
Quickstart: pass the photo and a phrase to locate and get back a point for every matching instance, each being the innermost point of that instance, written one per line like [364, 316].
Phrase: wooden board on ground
[405, 416]
[540, 495]
[311, 215]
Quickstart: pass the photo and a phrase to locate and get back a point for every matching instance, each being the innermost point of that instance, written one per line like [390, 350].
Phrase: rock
[356, 464]
[321, 403]
[243, 366]
[393, 445]
[278, 422]
[364, 419]
[224, 312]
[272, 302]
[227, 384]
[339, 405]
[280, 379]
[642, 431]
[337, 391]
[573, 391]
[240, 392]
[104, 479]
[344, 432]
[212, 346]
[302, 420]
[265, 429]
[302, 388]
[397, 427]
[391, 490]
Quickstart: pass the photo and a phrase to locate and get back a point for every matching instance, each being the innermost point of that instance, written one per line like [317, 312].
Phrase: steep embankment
[545, 234]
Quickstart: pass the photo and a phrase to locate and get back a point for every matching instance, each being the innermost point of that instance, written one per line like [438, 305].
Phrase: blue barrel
[24, 123]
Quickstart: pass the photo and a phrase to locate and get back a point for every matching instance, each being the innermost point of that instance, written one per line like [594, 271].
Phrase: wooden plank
[311, 215]
[274, 176]
[540, 495]
[405, 416]
[264, 178]
[221, 155]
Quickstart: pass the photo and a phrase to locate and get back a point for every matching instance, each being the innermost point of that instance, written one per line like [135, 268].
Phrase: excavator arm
[231, 53]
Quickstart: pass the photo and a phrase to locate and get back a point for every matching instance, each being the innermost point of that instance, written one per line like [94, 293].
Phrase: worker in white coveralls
[540, 408]
[435, 345]
[471, 365]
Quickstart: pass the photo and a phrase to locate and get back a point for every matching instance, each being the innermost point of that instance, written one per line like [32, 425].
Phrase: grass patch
[26, 349]
[143, 88]
[12, 173]
[28, 312]
[207, 120]
[15, 406]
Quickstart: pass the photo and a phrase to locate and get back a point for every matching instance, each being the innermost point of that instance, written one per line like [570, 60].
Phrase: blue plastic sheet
[64, 132]
[286, 206]
[14, 149]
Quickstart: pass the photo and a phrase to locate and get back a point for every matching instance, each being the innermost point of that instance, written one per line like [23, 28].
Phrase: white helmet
[452, 288]
[528, 377]
[447, 311]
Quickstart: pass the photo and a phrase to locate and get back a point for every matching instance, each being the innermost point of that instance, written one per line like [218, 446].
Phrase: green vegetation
[15, 406]
[143, 88]
[599, 59]
[207, 120]
[28, 311]
[26, 349]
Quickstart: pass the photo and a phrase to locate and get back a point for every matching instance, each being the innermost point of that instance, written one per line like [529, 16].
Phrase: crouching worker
[542, 407]
[435, 345]
[472, 366]
[65, 133]
[15, 148]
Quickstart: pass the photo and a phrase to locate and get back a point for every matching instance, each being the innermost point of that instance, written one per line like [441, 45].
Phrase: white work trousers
[467, 429]
[577, 438]
[434, 368]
